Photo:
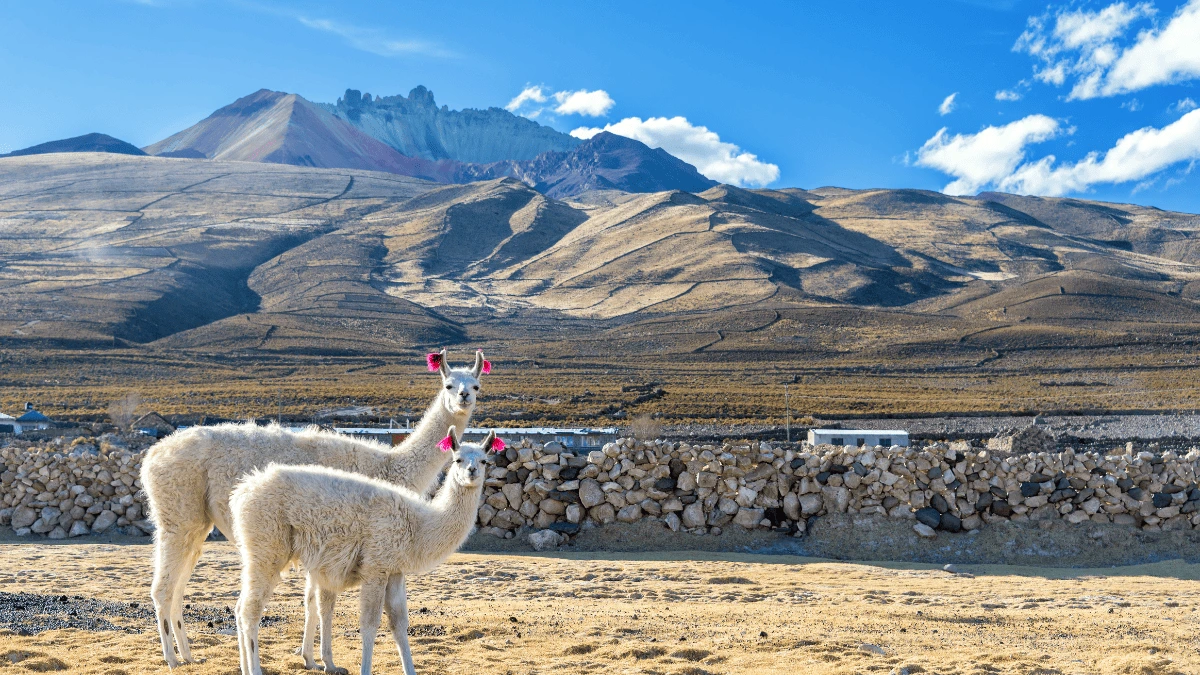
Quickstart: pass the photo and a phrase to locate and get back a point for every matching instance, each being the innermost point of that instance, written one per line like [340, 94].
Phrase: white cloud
[984, 158]
[373, 40]
[1159, 57]
[1092, 48]
[530, 93]
[583, 102]
[529, 102]
[1183, 105]
[1132, 105]
[696, 145]
[947, 105]
[1008, 95]
[1136, 156]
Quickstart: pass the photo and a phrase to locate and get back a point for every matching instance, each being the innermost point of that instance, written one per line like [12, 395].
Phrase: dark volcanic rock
[929, 516]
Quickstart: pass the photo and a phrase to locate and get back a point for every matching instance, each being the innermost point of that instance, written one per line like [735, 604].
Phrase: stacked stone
[948, 487]
[68, 489]
[62, 489]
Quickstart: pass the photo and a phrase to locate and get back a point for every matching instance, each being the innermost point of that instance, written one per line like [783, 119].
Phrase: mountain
[604, 162]
[220, 256]
[411, 136]
[85, 143]
[278, 128]
[415, 126]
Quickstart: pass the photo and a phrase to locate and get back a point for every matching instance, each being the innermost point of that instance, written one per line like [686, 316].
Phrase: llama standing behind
[189, 476]
[348, 530]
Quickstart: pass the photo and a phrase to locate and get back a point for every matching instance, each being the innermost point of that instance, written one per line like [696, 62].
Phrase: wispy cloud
[369, 39]
[373, 40]
[984, 158]
[1099, 53]
[532, 99]
[948, 104]
[530, 94]
[1008, 95]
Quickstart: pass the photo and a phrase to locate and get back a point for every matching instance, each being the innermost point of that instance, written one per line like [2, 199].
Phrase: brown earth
[679, 613]
[238, 289]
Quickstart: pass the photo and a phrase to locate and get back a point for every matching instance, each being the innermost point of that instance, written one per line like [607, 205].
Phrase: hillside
[84, 143]
[122, 272]
[97, 247]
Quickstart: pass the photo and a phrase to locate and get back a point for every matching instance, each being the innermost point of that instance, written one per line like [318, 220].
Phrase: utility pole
[787, 406]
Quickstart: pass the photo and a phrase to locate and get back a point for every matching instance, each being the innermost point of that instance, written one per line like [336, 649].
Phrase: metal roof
[33, 416]
[872, 432]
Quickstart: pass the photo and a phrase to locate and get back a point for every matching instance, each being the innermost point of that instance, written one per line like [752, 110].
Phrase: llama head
[467, 463]
[460, 386]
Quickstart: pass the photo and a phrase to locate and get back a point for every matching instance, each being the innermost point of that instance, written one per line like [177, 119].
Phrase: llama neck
[418, 459]
[455, 507]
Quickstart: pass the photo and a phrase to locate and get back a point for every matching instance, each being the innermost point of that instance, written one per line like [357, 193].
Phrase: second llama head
[467, 464]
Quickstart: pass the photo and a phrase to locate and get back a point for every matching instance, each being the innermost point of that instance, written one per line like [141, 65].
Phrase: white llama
[189, 475]
[348, 530]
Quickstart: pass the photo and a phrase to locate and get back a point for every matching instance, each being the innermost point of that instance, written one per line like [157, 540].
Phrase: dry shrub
[580, 649]
[646, 428]
[691, 654]
[730, 580]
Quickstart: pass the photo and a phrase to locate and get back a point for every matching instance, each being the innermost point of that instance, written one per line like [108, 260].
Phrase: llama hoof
[337, 670]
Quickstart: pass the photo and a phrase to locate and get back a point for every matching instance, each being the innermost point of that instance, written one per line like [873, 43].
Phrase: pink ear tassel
[434, 359]
[497, 442]
[487, 366]
[446, 444]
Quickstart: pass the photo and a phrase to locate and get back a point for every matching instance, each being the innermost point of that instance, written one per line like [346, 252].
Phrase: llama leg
[191, 556]
[256, 588]
[370, 607]
[325, 603]
[310, 622]
[397, 609]
[170, 560]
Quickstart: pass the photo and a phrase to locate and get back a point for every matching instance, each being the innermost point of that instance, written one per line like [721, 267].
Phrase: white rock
[924, 530]
[693, 515]
[105, 520]
[672, 521]
[78, 529]
[544, 540]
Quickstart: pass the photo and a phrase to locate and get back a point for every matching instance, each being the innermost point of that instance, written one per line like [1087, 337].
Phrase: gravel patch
[32, 613]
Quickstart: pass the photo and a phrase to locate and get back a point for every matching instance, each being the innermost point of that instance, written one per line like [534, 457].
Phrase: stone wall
[61, 489]
[68, 489]
[947, 487]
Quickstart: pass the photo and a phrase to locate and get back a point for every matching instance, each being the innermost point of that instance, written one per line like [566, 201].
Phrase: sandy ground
[686, 613]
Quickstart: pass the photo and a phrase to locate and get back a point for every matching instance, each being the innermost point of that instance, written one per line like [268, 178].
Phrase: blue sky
[819, 93]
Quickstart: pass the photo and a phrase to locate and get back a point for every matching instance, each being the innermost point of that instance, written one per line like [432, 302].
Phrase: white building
[9, 424]
[858, 437]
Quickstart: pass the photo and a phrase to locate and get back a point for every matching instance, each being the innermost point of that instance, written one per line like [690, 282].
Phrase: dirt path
[634, 613]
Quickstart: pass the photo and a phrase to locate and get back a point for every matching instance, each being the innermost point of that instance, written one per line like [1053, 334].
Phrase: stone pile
[72, 488]
[947, 487]
[63, 489]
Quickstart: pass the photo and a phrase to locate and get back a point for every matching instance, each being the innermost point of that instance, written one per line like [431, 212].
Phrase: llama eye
[449, 387]
[458, 461]
[476, 387]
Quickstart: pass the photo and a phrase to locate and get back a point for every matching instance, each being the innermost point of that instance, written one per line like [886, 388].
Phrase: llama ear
[489, 442]
[481, 364]
[497, 446]
[442, 366]
[449, 442]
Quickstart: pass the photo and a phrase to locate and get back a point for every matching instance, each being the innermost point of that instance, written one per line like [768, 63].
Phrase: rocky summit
[414, 125]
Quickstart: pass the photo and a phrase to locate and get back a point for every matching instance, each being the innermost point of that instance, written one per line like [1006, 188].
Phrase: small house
[153, 424]
[33, 419]
[858, 437]
[9, 425]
